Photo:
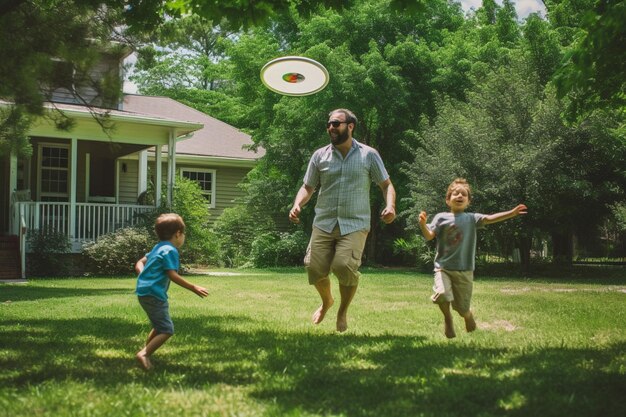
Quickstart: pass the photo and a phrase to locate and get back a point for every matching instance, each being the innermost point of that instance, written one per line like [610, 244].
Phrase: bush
[45, 247]
[117, 252]
[201, 245]
[416, 250]
[279, 249]
[235, 231]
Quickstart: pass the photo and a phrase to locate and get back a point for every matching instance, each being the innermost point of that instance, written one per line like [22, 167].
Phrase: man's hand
[294, 213]
[388, 215]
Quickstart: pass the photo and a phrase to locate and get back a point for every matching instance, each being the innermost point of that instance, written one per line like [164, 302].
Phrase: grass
[543, 347]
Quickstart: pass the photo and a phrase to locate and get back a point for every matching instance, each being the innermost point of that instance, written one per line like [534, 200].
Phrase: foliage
[73, 33]
[592, 75]
[509, 141]
[201, 245]
[402, 74]
[45, 247]
[117, 252]
[271, 249]
[235, 231]
[417, 251]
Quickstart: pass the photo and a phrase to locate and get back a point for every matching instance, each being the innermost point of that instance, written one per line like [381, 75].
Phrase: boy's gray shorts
[159, 314]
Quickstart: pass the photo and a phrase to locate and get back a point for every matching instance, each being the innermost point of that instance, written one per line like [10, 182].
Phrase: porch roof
[80, 112]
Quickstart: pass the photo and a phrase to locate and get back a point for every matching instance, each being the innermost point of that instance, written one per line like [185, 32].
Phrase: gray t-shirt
[456, 239]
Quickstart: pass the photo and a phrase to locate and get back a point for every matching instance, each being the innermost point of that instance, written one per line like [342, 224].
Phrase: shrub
[417, 251]
[201, 245]
[235, 231]
[45, 247]
[117, 252]
[279, 249]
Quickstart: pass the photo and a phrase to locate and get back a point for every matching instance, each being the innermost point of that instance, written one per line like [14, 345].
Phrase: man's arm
[388, 214]
[505, 215]
[304, 195]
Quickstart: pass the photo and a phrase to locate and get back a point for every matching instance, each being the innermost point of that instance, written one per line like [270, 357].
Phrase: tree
[510, 142]
[41, 39]
[592, 75]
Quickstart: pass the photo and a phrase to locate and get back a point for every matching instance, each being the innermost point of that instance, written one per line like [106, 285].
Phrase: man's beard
[340, 138]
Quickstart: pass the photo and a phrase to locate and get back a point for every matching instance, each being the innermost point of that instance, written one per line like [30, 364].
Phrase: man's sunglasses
[334, 123]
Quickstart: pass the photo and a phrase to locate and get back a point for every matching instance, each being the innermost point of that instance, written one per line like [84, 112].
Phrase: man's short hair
[167, 225]
[350, 117]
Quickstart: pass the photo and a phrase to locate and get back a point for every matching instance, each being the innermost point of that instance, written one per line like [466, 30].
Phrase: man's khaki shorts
[455, 287]
[332, 252]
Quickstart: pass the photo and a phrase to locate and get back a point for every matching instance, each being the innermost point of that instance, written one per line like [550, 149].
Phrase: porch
[80, 222]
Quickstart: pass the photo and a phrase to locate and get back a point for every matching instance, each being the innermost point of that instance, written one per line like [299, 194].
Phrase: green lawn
[543, 348]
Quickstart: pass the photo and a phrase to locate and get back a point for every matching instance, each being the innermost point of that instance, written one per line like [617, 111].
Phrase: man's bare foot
[320, 313]
[449, 329]
[470, 323]
[144, 361]
[342, 323]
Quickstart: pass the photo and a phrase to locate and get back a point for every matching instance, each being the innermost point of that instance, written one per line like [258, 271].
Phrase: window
[205, 179]
[53, 172]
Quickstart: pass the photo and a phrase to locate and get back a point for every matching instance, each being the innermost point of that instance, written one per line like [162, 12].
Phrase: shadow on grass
[15, 293]
[310, 372]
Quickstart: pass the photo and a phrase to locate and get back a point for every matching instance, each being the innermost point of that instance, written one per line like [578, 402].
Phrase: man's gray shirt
[344, 186]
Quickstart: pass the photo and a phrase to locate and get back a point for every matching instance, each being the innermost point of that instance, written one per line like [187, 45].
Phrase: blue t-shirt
[456, 240]
[153, 280]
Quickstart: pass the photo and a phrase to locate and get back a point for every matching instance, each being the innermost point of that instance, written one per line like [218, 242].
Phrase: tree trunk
[562, 248]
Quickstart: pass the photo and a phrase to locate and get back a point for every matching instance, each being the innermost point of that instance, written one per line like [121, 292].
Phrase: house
[89, 181]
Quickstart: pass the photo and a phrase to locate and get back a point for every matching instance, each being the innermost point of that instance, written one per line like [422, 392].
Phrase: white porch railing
[91, 220]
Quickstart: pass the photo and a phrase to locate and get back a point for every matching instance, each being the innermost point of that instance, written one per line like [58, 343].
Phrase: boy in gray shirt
[456, 250]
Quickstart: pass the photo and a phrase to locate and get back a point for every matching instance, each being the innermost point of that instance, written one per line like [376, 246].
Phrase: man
[343, 171]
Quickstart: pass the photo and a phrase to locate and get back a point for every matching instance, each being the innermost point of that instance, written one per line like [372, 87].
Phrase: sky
[523, 8]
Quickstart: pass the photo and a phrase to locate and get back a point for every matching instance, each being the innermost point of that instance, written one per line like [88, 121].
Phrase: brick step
[10, 274]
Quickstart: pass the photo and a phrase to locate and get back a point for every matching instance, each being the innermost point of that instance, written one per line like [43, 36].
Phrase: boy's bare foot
[320, 313]
[449, 329]
[342, 323]
[144, 361]
[470, 323]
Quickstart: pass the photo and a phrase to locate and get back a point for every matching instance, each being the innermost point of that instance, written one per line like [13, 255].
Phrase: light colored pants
[455, 287]
[332, 252]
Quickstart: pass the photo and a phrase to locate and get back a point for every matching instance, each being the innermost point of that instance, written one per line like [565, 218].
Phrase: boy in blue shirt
[456, 250]
[156, 270]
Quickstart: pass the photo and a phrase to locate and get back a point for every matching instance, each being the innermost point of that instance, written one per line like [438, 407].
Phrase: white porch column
[142, 177]
[158, 173]
[74, 165]
[171, 166]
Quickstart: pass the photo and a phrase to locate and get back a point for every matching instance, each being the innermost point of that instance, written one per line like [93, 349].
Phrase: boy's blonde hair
[459, 182]
[168, 224]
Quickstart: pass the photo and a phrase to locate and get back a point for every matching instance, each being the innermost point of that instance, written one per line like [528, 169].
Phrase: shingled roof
[216, 139]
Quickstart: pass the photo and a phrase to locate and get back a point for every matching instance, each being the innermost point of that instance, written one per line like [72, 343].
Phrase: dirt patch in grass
[498, 325]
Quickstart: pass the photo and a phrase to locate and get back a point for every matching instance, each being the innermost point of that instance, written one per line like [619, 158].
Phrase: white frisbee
[294, 76]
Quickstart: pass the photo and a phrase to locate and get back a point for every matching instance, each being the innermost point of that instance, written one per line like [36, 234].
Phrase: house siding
[128, 181]
[227, 189]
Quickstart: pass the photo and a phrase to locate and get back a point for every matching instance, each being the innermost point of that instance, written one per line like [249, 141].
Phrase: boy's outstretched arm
[505, 215]
[140, 264]
[426, 232]
[173, 275]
